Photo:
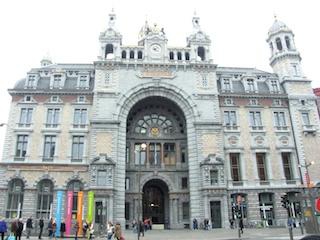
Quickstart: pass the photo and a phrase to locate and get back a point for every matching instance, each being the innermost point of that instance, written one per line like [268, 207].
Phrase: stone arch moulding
[17, 176]
[75, 178]
[46, 177]
[169, 91]
[151, 176]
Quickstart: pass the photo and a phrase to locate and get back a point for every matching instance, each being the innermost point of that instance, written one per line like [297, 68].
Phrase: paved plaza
[221, 234]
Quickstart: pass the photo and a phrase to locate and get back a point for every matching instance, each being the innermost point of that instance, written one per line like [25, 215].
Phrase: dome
[278, 26]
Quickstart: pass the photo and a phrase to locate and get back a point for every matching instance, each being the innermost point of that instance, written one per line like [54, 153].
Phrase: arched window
[15, 198]
[131, 54]
[140, 55]
[124, 54]
[45, 198]
[171, 56]
[154, 122]
[279, 44]
[109, 49]
[75, 186]
[201, 53]
[187, 56]
[288, 42]
[179, 56]
[271, 47]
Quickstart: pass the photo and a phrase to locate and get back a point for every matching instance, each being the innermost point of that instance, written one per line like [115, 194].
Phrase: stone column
[177, 206]
[111, 207]
[171, 212]
[205, 203]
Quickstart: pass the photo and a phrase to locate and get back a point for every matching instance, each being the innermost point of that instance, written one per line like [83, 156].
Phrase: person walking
[118, 232]
[50, 228]
[29, 226]
[85, 228]
[3, 228]
[91, 230]
[14, 227]
[41, 224]
[76, 229]
[110, 230]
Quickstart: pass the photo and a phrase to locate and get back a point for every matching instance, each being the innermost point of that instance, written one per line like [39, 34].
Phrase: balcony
[231, 127]
[257, 128]
[24, 125]
[309, 129]
[282, 128]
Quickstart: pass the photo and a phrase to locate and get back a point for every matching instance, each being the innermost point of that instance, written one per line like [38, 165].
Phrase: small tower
[46, 60]
[285, 59]
[199, 42]
[110, 41]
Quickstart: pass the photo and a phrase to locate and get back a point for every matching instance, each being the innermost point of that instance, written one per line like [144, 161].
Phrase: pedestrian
[14, 227]
[209, 224]
[91, 230]
[241, 225]
[84, 228]
[50, 228]
[3, 228]
[76, 229]
[19, 229]
[141, 228]
[110, 230]
[29, 226]
[117, 232]
[195, 224]
[62, 228]
[41, 224]
[134, 225]
[54, 227]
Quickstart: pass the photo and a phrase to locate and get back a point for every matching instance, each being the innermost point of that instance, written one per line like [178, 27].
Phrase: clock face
[155, 48]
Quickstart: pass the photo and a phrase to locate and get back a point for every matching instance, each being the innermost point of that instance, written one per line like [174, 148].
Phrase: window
[139, 55]
[80, 118]
[131, 54]
[127, 211]
[279, 119]
[49, 148]
[187, 56]
[140, 154]
[279, 44]
[185, 210]
[155, 154]
[102, 178]
[52, 117]
[271, 47]
[235, 166]
[230, 118]
[183, 154]
[261, 165]
[255, 120]
[83, 81]
[31, 83]
[75, 187]
[54, 99]
[127, 184]
[287, 39]
[201, 53]
[204, 80]
[77, 148]
[179, 56]
[277, 102]
[15, 198]
[57, 79]
[169, 154]
[274, 86]
[21, 149]
[154, 123]
[184, 183]
[253, 102]
[28, 98]
[226, 85]
[127, 155]
[296, 70]
[81, 99]
[44, 199]
[305, 118]
[109, 51]
[228, 101]
[214, 179]
[107, 78]
[250, 85]
[25, 117]
[171, 56]
[124, 55]
[287, 166]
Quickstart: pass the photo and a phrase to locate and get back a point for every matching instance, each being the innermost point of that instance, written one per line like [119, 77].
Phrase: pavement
[215, 234]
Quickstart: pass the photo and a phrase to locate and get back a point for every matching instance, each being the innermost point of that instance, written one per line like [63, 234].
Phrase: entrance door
[215, 207]
[99, 213]
[154, 202]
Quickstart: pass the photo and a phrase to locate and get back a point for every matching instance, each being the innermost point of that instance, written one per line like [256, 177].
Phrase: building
[215, 137]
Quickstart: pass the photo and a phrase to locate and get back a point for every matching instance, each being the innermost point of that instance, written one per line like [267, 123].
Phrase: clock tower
[154, 40]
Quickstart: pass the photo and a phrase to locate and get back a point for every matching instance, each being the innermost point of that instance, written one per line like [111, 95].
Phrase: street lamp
[314, 219]
[143, 147]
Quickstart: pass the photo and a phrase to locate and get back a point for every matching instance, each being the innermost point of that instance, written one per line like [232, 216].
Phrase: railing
[256, 128]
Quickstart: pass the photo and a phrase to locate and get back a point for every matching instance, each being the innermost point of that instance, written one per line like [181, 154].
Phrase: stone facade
[212, 133]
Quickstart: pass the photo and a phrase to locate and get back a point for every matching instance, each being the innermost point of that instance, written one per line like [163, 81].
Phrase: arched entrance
[155, 201]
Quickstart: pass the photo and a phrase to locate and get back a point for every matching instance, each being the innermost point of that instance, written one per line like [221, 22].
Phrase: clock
[155, 48]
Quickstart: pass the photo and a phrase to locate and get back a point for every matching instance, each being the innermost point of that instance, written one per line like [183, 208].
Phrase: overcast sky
[69, 29]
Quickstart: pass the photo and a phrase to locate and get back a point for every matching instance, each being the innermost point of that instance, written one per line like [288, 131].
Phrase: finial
[275, 16]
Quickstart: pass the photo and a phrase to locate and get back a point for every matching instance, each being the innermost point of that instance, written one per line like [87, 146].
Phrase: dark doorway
[155, 201]
[215, 209]
[99, 212]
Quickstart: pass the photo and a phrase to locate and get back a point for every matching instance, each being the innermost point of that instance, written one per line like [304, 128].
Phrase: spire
[112, 19]
[196, 23]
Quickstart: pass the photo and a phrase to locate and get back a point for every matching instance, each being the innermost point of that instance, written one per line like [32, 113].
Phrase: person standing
[110, 230]
[3, 228]
[118, 232]
[14, 227]
[62, 228]
[29, 226]
[76, 229]
[19, 229]
[41, 224]
[50, 228]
